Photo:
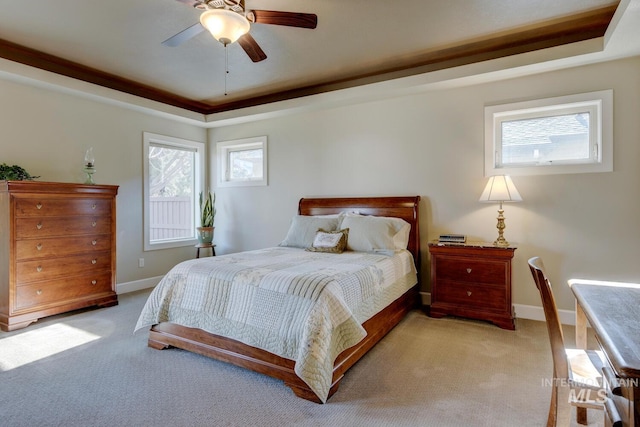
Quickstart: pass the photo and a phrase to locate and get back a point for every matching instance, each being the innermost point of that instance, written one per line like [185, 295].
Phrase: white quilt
[303, 306]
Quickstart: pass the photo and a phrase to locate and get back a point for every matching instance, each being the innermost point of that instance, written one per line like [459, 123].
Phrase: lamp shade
[226, 26]
[500, 188]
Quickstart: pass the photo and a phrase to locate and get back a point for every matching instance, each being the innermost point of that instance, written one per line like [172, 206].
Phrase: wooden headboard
[405, 207]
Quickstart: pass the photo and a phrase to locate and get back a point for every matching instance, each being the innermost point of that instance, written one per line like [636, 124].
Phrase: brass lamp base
[501, 241]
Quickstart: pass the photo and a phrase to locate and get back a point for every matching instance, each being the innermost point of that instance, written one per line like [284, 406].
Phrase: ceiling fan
[229, 20]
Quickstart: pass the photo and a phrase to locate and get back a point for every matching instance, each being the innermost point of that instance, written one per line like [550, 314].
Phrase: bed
[312, 368]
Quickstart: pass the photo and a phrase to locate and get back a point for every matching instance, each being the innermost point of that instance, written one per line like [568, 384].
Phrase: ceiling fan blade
[289, 19]
[192, 3]
[249, 44]
[184, 35]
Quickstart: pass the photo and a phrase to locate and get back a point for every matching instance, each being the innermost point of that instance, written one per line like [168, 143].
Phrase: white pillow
[375, 233]
[304, 227]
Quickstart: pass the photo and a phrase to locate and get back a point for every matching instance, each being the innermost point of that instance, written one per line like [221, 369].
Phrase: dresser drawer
[58, 246]
[43, 206]
[37, 270]
[473, 295]
[40, 294]
[469, 270]
[61, 226]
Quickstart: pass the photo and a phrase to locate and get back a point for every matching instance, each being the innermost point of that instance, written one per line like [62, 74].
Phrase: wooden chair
[577, 374]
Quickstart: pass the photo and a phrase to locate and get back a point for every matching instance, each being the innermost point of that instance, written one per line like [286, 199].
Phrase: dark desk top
[613, 310]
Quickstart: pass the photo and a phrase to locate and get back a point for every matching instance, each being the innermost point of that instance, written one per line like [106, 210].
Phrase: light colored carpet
[89, 369]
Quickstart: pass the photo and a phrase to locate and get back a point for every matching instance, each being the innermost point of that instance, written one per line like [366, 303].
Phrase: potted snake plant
[207, 216]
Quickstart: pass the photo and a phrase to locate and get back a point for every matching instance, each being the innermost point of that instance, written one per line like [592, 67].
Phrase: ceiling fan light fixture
[224, 25]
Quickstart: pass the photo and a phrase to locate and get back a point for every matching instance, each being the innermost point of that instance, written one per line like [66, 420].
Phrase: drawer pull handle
[39, 268]
[469, 293]
[39, 206]
[39, 246]
[39, 225]
[94, 242]
[93, 224]
[93, 282]
[93, 261]
[469, 270]
[39, 292]
[93, 206]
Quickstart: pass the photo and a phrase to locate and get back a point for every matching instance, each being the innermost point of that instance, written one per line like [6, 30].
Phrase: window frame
[152, 139]
[224, 148]
[599, 104]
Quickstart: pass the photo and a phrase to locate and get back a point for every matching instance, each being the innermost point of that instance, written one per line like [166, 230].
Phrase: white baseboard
[530, 312]
[136, 285]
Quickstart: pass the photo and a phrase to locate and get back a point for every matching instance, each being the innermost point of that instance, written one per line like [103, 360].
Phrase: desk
[613, 310]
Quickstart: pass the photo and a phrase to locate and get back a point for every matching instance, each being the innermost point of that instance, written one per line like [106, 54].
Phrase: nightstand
[472, 280]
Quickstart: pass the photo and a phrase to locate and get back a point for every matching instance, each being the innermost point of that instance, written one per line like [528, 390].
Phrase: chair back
[556, 338]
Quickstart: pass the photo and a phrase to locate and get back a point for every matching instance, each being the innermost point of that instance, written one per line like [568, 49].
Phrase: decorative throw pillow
[330, 241]
[303, 229]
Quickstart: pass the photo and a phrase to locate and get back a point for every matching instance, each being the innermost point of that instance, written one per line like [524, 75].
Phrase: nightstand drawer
[482, 296]
[469, 270]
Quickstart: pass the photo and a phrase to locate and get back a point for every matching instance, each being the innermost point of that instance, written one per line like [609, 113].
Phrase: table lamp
[500, 189]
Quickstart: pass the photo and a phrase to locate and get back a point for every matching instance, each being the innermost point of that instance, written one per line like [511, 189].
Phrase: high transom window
[570, 134]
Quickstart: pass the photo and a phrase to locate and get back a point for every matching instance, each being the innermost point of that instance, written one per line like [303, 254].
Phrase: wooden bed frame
[166, 335]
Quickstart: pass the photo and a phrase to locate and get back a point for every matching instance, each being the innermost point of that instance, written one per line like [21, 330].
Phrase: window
[569, 134]
[173, 178]
[242, 162]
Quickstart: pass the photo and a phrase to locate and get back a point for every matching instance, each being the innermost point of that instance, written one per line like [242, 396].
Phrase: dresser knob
[93, 282]
[469, 270]
[93, 261]
[39, 225]
[39, 246]
[94, 242]
[93, 206]
[468, 293]
[93, 224]
[39, 268]
[39, 292]
[39, 206]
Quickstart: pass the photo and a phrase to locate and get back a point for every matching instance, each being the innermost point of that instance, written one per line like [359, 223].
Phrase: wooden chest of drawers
[57, 249]
[472, 280]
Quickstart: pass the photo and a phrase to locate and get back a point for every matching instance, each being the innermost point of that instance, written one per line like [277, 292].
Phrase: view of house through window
[546, 139]
[172, 185]
[566, 134]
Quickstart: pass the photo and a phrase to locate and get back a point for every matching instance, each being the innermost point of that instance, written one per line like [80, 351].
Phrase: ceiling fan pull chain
[226, 68]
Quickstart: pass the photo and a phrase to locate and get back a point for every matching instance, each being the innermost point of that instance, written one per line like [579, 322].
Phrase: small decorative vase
[205, 235]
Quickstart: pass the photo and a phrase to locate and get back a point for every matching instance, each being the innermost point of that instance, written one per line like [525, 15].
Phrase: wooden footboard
[166, 335]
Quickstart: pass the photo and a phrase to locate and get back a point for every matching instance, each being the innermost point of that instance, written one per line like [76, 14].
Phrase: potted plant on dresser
[207, 215]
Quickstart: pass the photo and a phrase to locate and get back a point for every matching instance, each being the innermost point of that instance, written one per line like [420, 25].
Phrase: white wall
[431, 144]
[47, 132]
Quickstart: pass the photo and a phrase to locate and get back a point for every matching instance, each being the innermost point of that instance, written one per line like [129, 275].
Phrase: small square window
[570, 134]
[242, 162]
